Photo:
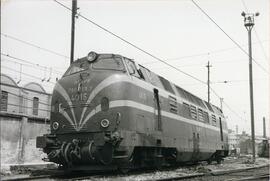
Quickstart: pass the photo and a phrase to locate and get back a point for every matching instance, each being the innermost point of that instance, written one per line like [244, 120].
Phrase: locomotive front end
[84, 126]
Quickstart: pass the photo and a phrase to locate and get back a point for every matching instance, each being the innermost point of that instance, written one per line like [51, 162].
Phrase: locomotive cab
[79, 91]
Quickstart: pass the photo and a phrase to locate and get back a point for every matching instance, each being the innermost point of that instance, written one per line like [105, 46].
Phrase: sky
[174, 31]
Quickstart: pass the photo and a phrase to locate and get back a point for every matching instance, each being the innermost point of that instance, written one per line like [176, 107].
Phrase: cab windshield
[110, 63]
[77, 67]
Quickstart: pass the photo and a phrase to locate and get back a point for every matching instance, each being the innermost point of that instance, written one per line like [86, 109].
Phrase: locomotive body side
[103, 116]
[188, 139]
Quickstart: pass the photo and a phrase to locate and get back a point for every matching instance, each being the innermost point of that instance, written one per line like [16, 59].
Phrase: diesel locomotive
[108, 112]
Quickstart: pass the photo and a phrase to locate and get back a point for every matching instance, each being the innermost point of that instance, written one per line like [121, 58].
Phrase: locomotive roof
[105, 55]
[182, 92]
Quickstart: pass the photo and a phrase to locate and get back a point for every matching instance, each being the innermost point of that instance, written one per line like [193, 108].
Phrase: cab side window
[146, 74]
[132, 68]
[166, 84]
[156, 81]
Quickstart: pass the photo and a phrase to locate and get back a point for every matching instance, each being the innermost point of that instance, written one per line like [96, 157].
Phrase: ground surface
[11, 153]
[239, 175]
[230, 163]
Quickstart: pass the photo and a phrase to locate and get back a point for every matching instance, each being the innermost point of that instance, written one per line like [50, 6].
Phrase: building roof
[5, 79]
[31, 86]
[34, 86]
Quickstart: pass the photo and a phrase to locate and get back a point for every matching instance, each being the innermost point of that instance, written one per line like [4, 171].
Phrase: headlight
[91, 56]
[104, 123]
[55, 125]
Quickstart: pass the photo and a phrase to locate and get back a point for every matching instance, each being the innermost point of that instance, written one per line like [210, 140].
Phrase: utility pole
[249, 23]
[73, 14]
[208, 80]
[221, 103]
[264, 128]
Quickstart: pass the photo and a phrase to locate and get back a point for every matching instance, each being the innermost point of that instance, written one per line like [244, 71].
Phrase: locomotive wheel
[219, 160]
[105, 154]
[158, 162]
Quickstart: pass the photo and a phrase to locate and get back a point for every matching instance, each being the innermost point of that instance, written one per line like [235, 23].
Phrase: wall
[18, 134]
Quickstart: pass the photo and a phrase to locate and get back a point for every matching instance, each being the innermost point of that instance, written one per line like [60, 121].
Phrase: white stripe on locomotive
[133, 104]
[119, 78]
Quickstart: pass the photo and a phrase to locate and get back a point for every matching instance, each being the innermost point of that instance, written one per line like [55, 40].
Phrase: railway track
[251, 173]
[55, 175]
[34, 176]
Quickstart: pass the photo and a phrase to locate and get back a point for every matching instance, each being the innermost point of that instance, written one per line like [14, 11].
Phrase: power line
[34, 66]
[27, 74]
[49, 87]
[27, 80]
[200, 54]
[183, 57]
[221, 61]
[227, 104]
[233, 81]
[33, 45]
[221, 82]
[131, 44]
[238, 115]
[228, 36]
[29, 62]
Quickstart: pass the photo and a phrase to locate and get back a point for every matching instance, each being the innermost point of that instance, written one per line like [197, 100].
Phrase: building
[233, 140]
[24, 114]
[242, 142]
[30, 100]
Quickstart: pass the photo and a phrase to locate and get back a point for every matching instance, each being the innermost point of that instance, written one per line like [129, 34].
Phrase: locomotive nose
[69, 99]
[82, 103]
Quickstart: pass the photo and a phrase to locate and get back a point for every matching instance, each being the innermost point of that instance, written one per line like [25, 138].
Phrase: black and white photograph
[135, 90]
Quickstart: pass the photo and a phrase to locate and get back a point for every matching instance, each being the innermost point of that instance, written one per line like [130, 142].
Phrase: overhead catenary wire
[237, 44]
[200, 54]
[233, 81]
[186, 56]
[33, 66]
[39, 78]
[46, 87]
[222, 82]
[240, 117]
[33, 45]
[236, 61]
[31, 63]
[136, 47]
[28, 80]
[131, 44]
